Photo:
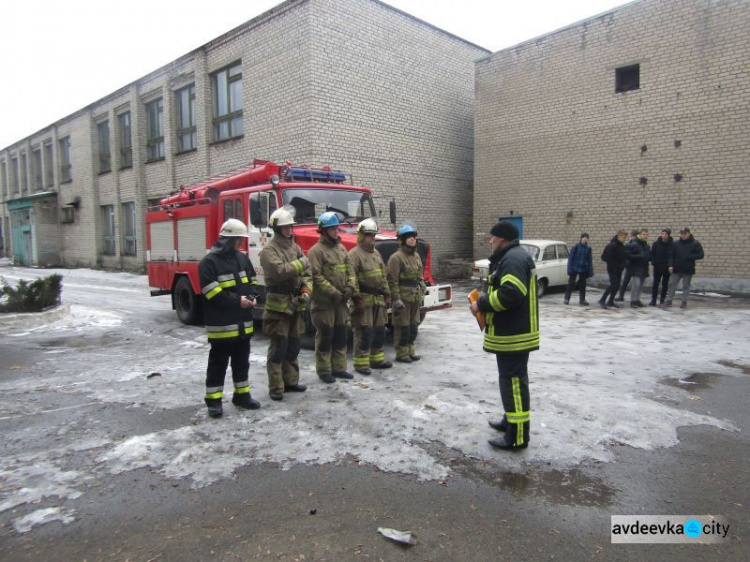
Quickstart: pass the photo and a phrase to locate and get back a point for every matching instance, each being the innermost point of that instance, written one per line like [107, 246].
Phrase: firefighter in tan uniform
[405, 278]
[371, 301]
[286, 271]
[333, 286]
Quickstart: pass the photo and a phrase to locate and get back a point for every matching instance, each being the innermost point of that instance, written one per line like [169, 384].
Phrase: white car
[550, 257]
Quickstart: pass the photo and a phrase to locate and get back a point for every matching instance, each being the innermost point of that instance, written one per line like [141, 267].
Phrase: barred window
[155, 142]
[108, 229]
[105, 157]
[187, 137]
[125, 139]
[128, 229]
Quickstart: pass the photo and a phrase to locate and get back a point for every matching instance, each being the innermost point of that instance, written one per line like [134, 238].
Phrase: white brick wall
[556, 144]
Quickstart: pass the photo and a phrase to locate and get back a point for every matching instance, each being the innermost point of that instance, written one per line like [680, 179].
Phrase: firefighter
[405, 279]
[333, 286]
[227, 283]
[286, 271]
[371, 301]
[512, 330]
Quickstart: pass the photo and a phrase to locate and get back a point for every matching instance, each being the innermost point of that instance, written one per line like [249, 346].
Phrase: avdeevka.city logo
[685, 529]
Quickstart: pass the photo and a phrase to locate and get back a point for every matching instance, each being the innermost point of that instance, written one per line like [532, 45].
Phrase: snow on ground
[595, 382]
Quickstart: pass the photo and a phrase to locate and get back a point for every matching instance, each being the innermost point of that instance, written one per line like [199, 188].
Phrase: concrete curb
[10, 322]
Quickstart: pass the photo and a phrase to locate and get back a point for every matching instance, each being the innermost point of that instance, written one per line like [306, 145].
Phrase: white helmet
[368, 226]
[281, 217]
[234, 228]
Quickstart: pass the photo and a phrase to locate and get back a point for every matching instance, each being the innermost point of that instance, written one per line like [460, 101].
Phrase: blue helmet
[328, 219]
[406, 230]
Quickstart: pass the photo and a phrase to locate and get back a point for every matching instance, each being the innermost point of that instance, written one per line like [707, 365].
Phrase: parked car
[550, 257]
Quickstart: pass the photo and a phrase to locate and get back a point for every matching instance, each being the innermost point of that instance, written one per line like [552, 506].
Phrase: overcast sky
[59, 56]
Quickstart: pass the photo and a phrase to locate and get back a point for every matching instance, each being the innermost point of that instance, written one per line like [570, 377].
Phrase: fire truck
[181, 229]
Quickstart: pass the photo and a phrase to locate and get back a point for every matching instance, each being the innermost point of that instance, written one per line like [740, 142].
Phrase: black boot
[214, 407]
[327, 378]
[342, 375]
[415, 357]
[381, 365]
[295, 388]
[363, 370]
[245, 401]
[501, 425]
[613, 305]
[502, 443]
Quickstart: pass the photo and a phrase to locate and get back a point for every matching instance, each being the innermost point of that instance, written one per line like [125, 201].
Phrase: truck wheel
[186, 303]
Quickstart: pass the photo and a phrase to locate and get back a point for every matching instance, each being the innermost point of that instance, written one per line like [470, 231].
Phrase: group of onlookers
[673, 262]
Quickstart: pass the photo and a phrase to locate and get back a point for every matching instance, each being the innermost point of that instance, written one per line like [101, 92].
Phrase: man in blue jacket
[581, 266]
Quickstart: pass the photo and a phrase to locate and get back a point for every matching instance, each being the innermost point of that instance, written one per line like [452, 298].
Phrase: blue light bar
[306, 174]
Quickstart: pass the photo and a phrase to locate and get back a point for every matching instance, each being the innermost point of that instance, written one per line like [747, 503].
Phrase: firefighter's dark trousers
[514, 392]
[236, 350]
[369, 336]
[405, 329]
[330, 338]
[283, 332]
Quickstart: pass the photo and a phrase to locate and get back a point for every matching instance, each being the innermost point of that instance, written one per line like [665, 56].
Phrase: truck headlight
[444, 294]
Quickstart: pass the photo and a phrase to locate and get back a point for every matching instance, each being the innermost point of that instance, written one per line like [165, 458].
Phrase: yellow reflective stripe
[245, 280]
[495, 300]
[212, 294]
[297, 265]
[337, 268]
[275, 306]
[517, 417]
[372, 273]
[214, 395]
[377, 357]
[242, 389]
[368, 300]
[249, 328]
[227, 284]
[362, 361]
[517, 403]
[208, 288]
[533, 308]
[505, 343]
[223, 335]
[509, 278]
[254, 282]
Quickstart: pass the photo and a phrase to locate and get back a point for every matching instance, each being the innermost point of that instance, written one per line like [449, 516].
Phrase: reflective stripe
[242, 384]
[241, 389]
[243, 274]
[495, 300]
[509, 278]
[227, 284]
[245, 279]
[337, 268]
[363, 361]
[372, 273]
[517, 417]
[213, 293]
[223, 335]
[297, 265]
[214, 389]
[377, 357]
[225, 277]
[208, 288]
[524, 342]
[221, 328]
[254, 282]
[249, 328]
[533, 307]
[214, 395]
[275, 307]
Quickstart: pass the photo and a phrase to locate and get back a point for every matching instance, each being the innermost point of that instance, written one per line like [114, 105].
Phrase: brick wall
[556, 145]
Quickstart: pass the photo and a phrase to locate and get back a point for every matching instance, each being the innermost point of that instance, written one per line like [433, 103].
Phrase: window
[14, 173]
[155, 142]
[4, 177]
[187, 138]
[24, 173]
[108, 229]
[562, 251]
[126, 144]
[36, 168]
[549, 253]
[105, 158]
[128, 229]
[262, 206]
[227, 91]
[627, 78]
[65, 167]
[233, 209]
[49, 171]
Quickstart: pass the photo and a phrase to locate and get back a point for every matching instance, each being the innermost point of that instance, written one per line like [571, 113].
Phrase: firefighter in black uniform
[227, 280]
[512, 330]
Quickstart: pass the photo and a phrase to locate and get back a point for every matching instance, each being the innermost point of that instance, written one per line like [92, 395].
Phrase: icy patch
[40, 516]
[30, 480]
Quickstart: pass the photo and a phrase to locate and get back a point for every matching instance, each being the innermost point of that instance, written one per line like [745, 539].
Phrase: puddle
[691, 383]
[731, 364]
[573, 487]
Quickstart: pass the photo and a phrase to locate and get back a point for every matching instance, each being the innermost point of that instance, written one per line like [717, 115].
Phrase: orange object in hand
[474, 297]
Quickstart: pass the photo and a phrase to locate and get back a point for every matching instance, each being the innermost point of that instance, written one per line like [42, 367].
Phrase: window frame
[155, 149]
[222, 86]
[14, 180]
[49, 163]
[4, 177]
[125, 139]
[109, 242]
[129, 229]
[628, 78]
[187, 130]
[105, 154]
[24, 172]
[66, 168]
[37, 169]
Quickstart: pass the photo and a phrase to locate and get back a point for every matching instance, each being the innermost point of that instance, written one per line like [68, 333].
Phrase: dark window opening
[627, 78]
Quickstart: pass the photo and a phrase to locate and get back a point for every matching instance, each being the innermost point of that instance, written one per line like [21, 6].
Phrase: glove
[348, 292]
[388, 300]
[359, 304]
[336, 297]
[398, 304]
[304, 298]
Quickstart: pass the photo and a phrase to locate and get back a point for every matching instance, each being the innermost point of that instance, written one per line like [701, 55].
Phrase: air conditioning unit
[67, 215]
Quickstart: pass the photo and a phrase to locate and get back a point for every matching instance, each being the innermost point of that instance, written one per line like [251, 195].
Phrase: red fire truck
[184, 226]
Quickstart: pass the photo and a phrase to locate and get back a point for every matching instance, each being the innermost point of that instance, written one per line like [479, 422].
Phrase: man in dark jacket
[661, 251]
[687, 250]
[638, 257]
[626, 279]
[226, 277]
[615, 258]
[511, 331]
[580, 265]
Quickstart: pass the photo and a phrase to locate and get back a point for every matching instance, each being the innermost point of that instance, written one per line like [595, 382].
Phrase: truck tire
[541, 288]
[187, 303]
